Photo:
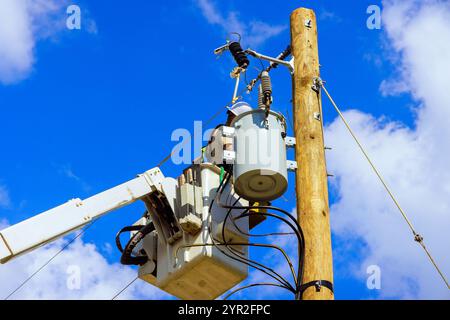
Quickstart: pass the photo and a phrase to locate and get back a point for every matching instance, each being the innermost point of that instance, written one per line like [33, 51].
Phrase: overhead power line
[48, 261]
[125, 288]
[417, 237]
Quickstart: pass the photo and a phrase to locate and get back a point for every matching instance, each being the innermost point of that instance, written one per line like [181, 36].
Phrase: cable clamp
[317, 84]
[418, 238]
[318, 284]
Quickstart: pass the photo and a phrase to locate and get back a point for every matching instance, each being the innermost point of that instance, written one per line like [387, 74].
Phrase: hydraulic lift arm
[57, 222]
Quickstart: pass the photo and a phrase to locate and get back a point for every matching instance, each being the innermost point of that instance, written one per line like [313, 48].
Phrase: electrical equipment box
[195, 266]
[260, 170]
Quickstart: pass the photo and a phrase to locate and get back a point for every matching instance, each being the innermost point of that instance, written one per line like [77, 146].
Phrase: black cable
[250, 286]
[281, 278]
[125, 229]
[299, 233]
[300, 236]
[127, 257]
[264, 235]
[223, 237]
[50, 260]
[252, 264]
[301, 246]
[287, 287]
[248, 263]
[124, 288]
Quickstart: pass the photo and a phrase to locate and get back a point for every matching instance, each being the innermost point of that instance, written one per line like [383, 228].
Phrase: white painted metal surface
[186, 265]
[259, 170]
[192, 267]
[52, 224]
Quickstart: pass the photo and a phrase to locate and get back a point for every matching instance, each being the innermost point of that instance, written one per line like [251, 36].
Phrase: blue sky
[99, 105]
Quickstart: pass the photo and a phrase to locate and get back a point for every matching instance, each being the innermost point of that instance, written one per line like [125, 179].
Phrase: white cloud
[67, 171]
[325, 15]
[20, 20]
[254, 33]
[99, 279]
[5, 201]
[414, 160]
[16, 41]
[22, 24]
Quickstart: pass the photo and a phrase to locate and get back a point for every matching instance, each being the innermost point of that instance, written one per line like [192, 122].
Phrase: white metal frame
[57, 222]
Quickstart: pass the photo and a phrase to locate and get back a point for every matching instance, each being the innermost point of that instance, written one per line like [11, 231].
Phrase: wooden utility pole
[311, 180]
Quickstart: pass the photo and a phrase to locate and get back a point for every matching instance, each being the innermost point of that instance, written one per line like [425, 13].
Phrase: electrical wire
[261, 245]
[250, 286]
[299, 234]
[241, 259]
[49, 260]
[124, 288]
[227, 244]
[286, 257]
[248, 262]
[270, 246]
[273, 234]
[417, 237]
[258, 266]
[232, 218]
[301, 245]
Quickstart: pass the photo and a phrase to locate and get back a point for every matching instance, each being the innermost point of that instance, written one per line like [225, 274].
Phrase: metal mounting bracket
[290, 142]
[291, 165]
[308, 23]
[317, 84]
[317, 116]
[288, 64]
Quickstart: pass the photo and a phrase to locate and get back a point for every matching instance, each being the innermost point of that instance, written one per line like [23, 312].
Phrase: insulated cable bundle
[127, 257]
[235, 255]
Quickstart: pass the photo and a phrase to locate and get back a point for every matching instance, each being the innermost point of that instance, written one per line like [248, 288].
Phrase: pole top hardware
[308, 23]
[317, 84]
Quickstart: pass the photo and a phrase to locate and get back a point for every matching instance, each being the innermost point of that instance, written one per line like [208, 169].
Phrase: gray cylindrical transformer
[260, 172]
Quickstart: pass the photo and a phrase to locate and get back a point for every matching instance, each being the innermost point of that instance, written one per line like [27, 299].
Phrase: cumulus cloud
[79, 272]
[22, 24]
[414, 160]
[20, 21]
[254, 33]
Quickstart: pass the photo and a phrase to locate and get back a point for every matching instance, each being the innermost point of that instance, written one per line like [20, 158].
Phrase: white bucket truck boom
[173, 243]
